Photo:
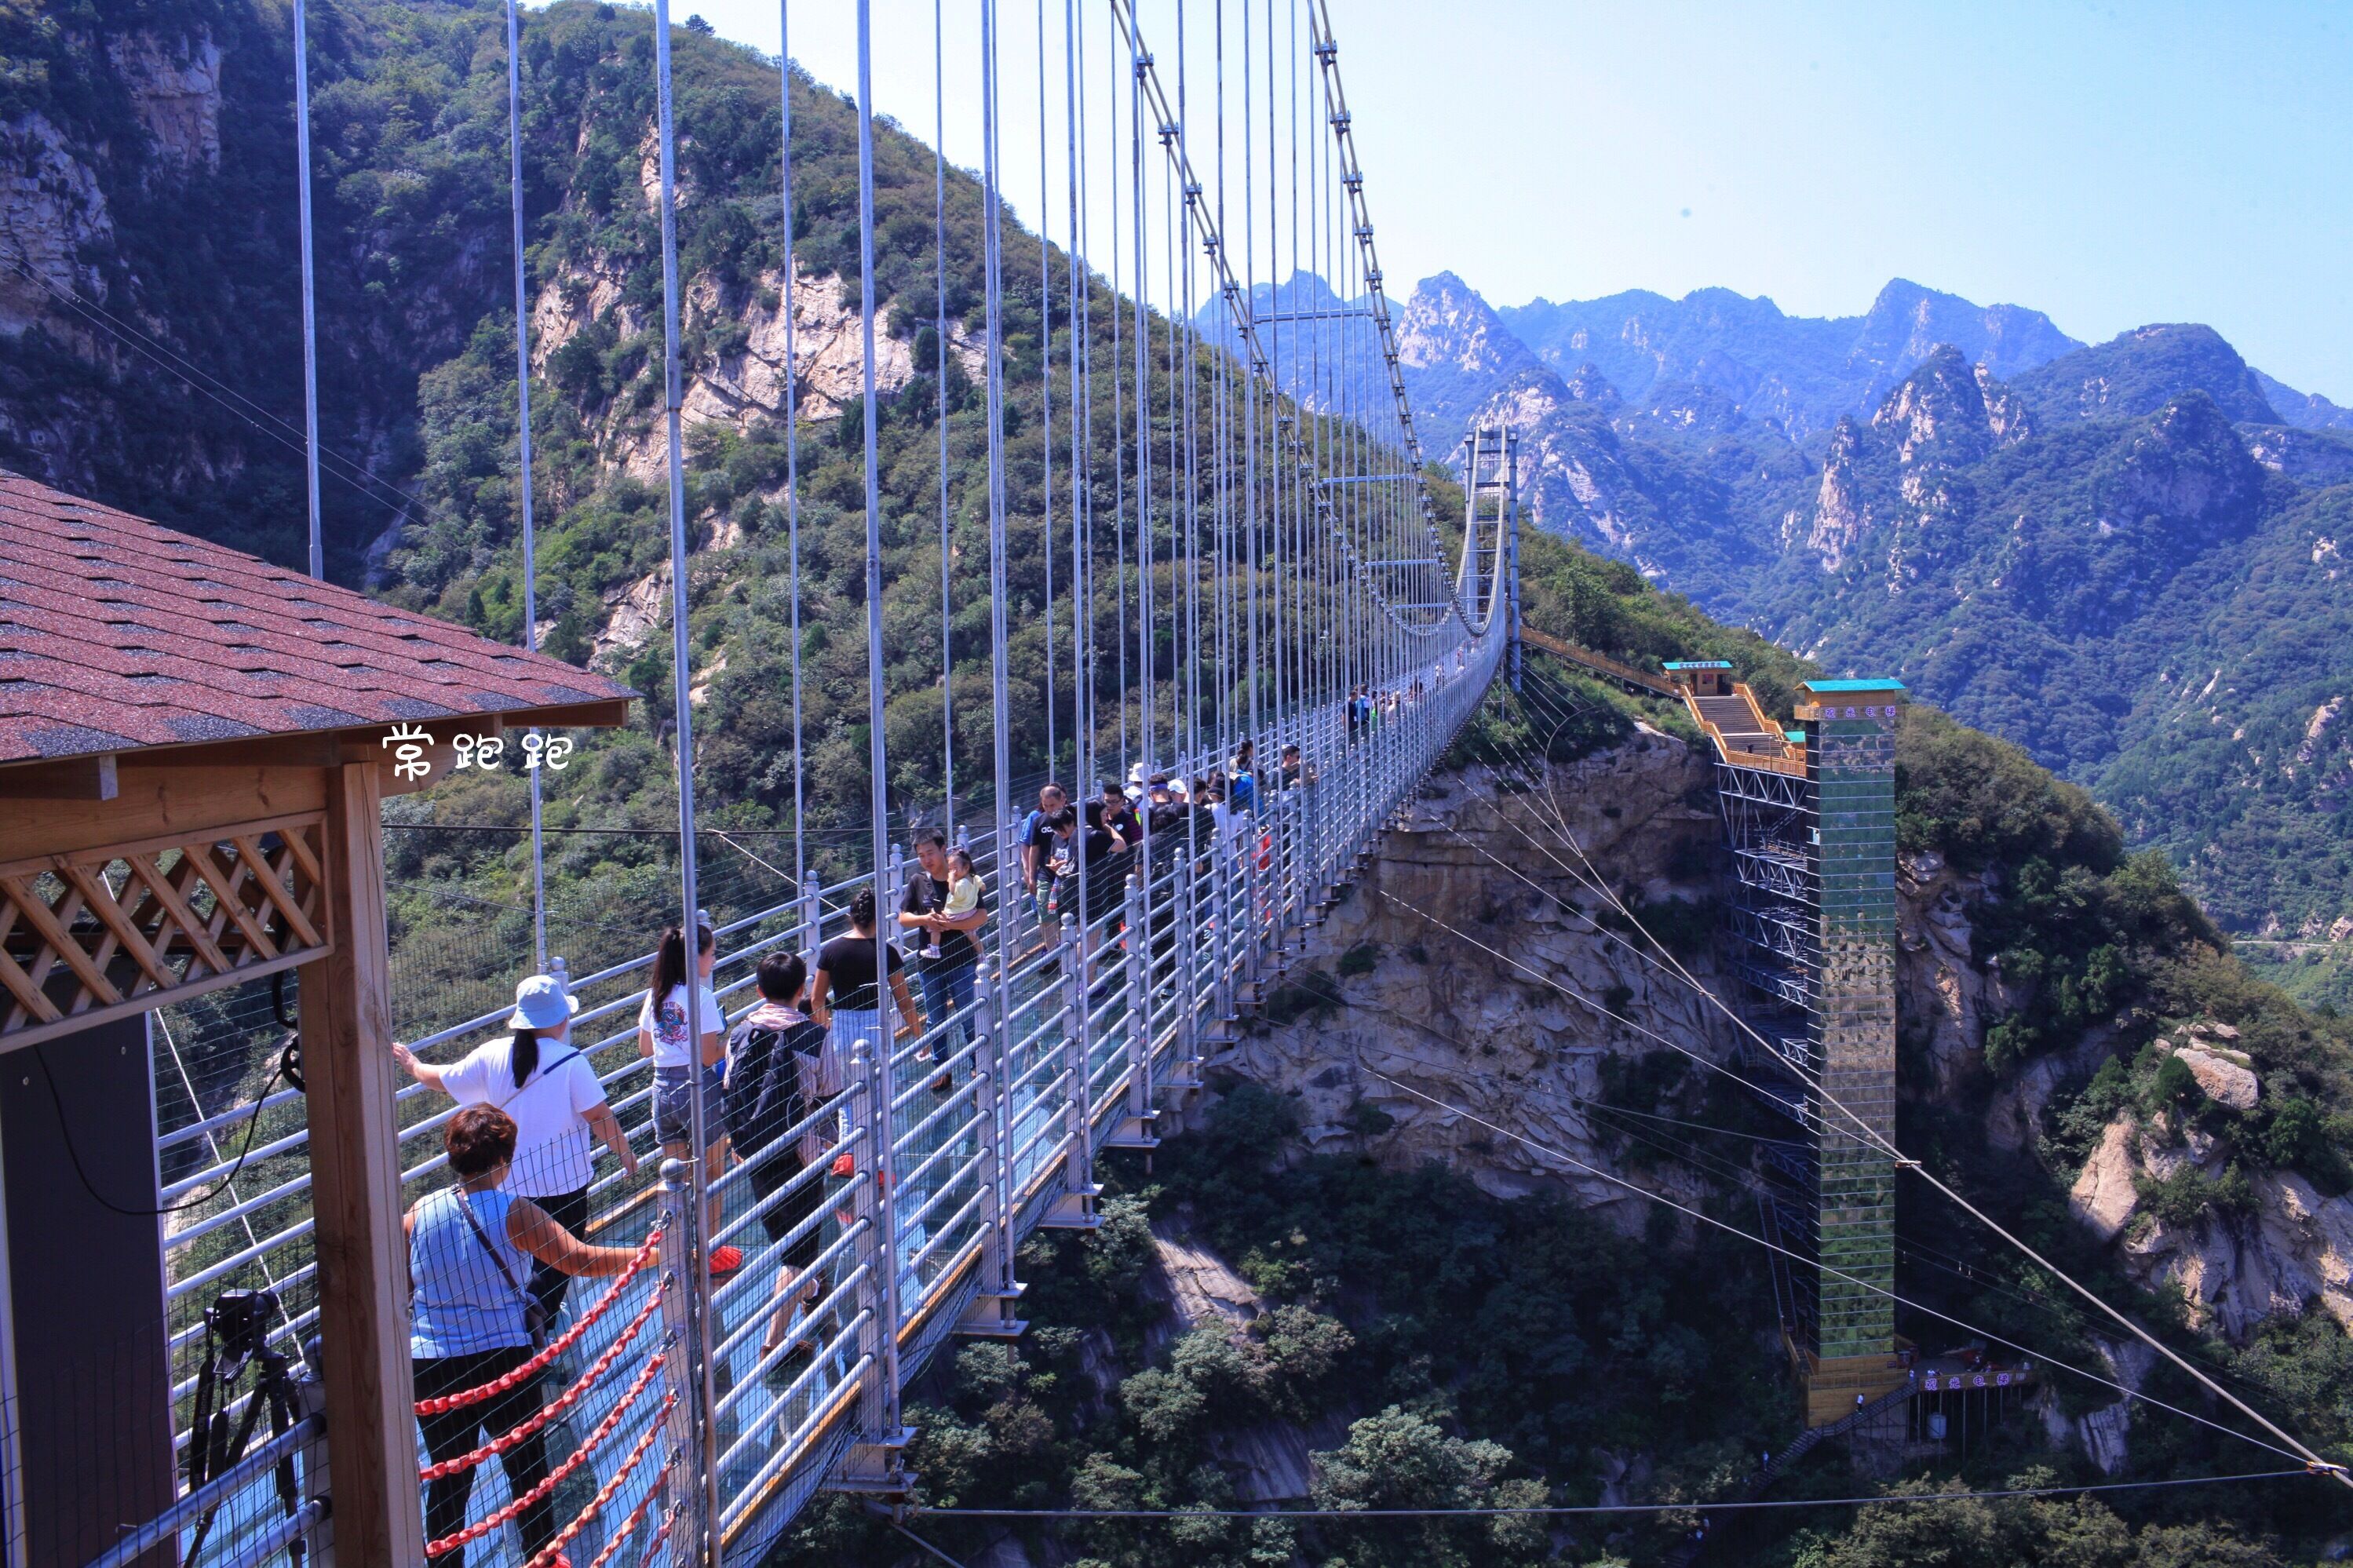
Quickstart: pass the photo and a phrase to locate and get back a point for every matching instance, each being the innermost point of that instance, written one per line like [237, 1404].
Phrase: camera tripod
[236, 1337]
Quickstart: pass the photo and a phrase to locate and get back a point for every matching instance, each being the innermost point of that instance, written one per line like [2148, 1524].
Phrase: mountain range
[2125, 556]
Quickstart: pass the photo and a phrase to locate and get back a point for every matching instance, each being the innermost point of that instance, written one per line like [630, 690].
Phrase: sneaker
[726, 1259]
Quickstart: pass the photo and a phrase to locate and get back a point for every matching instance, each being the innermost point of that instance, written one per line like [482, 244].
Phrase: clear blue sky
[2110, 164]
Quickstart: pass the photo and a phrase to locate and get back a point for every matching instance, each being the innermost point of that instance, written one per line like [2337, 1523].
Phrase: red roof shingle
[117, 634]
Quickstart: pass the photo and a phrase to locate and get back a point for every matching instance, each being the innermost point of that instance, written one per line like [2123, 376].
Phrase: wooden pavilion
[193, 747]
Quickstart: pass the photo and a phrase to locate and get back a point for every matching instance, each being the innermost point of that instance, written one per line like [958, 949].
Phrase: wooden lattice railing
[107, 932]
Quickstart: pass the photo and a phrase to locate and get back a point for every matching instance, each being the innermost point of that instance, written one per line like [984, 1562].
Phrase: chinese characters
[409, 744]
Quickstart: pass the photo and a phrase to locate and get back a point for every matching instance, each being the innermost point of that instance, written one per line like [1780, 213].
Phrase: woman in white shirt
[556, 1102]
[684, 1068]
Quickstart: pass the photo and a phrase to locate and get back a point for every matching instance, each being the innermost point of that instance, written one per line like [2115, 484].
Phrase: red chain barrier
[555, 1347]
[547, 1554]
[554, 1407]
[580, 1457]
[613, 1547]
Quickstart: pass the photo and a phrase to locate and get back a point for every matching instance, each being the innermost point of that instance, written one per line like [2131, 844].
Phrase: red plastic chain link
[555, 1347]
[548, 1554]
[626, 1526]
[580, 1457]
[613, 1547]
[553, 1408]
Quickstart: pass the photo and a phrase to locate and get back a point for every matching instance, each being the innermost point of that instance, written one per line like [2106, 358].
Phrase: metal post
[679, 1257]
[992, 1311]
[1139, 1017]
[1253, 943]
[1511, 549]
[811, 912]
[873, 1462]
[1075, 1208]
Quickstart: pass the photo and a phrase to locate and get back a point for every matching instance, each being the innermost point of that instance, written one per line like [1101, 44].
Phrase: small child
[964, 888]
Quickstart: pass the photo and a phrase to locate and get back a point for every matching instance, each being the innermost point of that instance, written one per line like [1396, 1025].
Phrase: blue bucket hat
[541, 1003]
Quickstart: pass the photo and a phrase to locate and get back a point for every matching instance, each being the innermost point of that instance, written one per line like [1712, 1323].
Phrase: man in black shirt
[945, 954]
[1164, 812]
[1119, 816]
[1038, 848]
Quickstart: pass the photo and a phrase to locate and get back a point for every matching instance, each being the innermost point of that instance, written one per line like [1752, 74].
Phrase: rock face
[2275, 1247]
[2104, 1196]
[828, 355]
[1482, 868]
[2227, 1079]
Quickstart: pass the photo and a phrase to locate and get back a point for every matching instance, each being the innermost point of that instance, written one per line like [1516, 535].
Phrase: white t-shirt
[553, 1153]
[672, 1048]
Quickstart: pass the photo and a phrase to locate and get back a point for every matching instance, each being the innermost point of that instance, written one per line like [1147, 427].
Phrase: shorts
[674, 1112]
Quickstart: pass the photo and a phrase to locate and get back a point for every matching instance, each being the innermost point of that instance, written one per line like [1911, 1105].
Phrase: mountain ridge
[2036, 533]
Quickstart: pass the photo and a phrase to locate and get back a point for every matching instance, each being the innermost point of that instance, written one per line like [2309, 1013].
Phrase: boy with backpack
[775, 1080]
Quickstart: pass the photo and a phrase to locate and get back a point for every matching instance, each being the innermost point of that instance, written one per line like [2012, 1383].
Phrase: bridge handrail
[1601, 662]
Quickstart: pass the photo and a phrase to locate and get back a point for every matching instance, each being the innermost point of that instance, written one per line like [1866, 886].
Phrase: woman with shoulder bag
[469, 1249]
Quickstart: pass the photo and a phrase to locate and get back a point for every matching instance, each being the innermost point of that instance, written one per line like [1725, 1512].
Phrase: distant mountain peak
[1938, 411]
[2138, 372]
[1799, 373]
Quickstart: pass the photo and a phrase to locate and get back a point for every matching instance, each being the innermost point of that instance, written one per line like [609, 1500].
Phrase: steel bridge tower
[1808, 817]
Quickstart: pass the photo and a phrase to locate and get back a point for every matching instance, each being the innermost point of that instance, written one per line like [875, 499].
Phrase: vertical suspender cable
[1083, 489]
[681, 688]
[1249, 390]
[886, 1245]
[1119, 367]
[1045, 392]
[994, 282]
[792, 422]
[1179, 236]
[309, 308]
[1138, 62]
[947, 607]
[523, 432]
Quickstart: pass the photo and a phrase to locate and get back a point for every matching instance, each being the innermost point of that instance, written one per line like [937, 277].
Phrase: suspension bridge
[1241, 548]
[1198, 486]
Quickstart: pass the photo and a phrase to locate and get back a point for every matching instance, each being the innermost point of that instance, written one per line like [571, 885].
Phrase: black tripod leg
[231, 1453]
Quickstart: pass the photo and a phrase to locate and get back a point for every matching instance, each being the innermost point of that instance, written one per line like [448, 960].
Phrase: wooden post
[355, 1195]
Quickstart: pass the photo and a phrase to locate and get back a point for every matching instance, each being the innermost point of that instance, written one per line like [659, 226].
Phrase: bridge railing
[922, 1194]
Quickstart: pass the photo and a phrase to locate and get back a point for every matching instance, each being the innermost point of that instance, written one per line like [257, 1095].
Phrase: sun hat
[541, 1003]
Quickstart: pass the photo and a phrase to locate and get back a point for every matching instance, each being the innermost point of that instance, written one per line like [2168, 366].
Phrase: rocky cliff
[1451, 1008]
[1469, 958]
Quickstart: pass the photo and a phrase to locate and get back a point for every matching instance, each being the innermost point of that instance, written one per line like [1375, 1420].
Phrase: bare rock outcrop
[2105, 1194]
[1471, 1031]
[2226, 1075]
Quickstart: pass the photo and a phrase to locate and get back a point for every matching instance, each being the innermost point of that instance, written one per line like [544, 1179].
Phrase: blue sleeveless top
[465, 1304]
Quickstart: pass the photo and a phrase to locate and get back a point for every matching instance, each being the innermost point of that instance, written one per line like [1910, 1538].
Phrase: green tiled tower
[1851, 753]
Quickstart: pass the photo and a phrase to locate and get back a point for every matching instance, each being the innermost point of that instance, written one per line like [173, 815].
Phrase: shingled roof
[118, 634]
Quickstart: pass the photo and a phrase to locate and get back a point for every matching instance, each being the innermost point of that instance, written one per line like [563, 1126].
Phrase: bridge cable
[523, 450]
[700, 1311]
[1887, 1146]
[792, 410]
[947, 552]
[1572, 1510]
[1046, 399]
[1731, 1230]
